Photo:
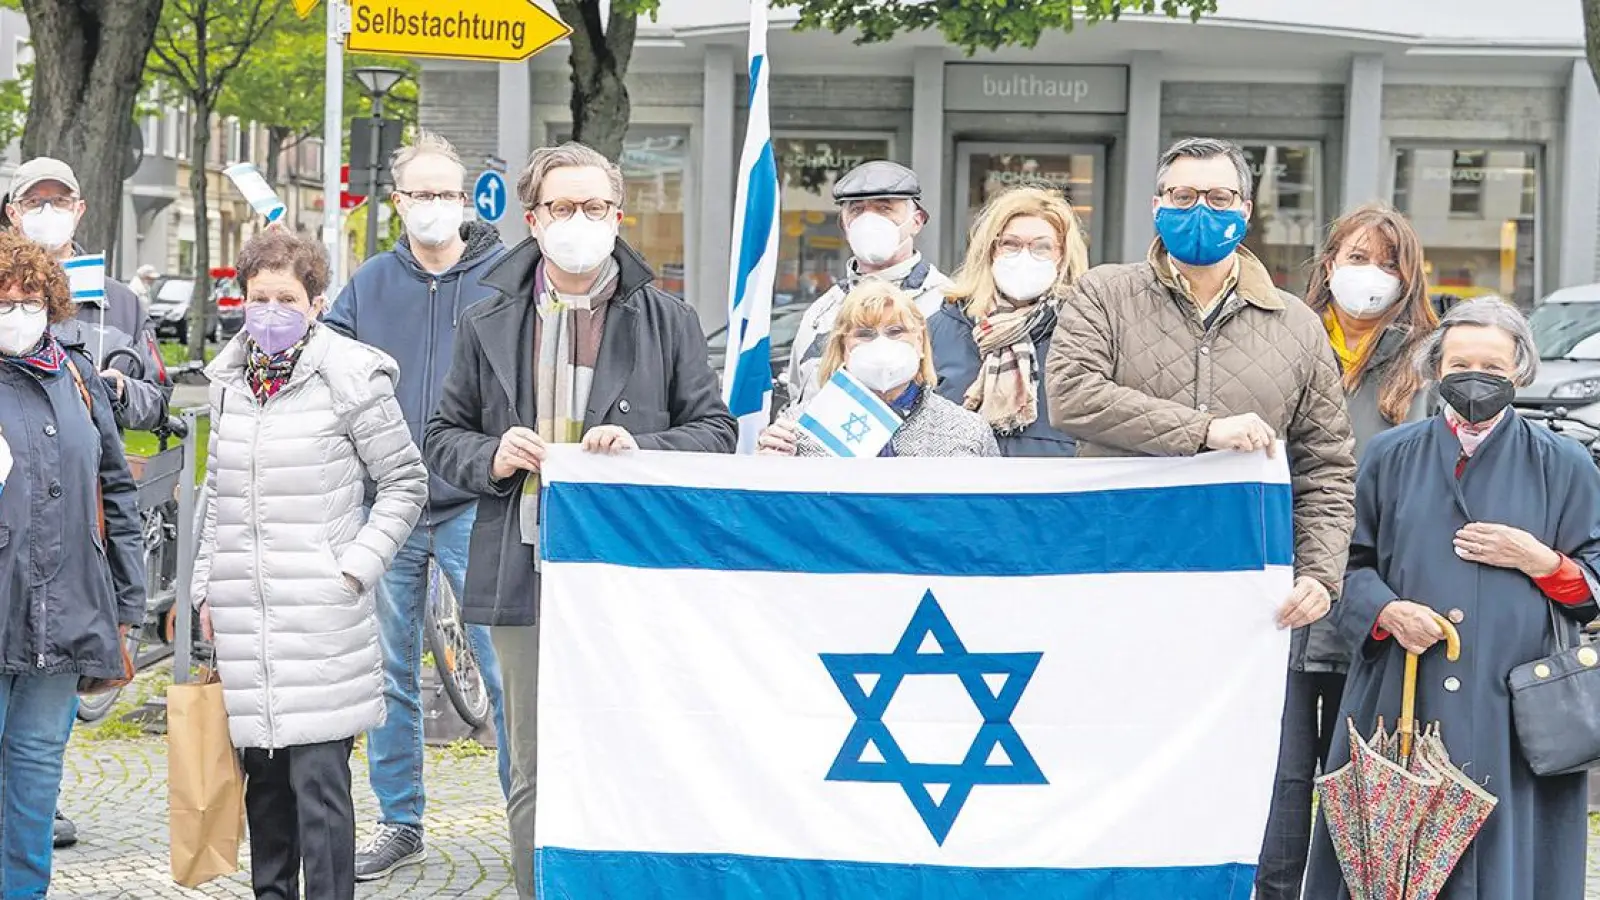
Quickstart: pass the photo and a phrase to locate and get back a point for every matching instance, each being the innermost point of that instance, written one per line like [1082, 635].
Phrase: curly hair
[26, 265]
[275, 250]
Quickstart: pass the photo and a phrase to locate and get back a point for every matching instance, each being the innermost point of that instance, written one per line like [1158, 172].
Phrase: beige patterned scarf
[1006, 391]
[568, 342]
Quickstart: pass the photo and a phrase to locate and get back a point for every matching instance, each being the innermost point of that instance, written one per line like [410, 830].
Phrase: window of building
[812, 251]
[1477, 212]
[1286, 223]
[654, 162]
[1077, 172]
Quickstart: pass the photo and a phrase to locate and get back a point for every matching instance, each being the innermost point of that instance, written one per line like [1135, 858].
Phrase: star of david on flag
[814, 679]
[994, 681]
[848, 419]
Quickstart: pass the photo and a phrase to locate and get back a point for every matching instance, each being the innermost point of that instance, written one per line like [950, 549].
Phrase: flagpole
[747, 370]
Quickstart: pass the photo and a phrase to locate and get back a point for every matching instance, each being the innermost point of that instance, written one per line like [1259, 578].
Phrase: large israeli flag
[747, 370]
[804, 679]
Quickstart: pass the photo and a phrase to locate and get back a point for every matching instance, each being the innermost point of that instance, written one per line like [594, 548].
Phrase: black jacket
[651, 378]
[64, 591]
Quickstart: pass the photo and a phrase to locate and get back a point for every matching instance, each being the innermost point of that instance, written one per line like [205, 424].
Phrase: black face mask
[1477, 396]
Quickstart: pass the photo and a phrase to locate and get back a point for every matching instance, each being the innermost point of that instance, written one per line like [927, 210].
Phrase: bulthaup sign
[1073, 89]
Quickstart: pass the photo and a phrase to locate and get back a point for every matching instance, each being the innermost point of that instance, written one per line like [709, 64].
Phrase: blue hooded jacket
[394, 304]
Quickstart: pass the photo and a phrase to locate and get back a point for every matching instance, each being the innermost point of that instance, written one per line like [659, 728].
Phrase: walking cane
[1408, 693]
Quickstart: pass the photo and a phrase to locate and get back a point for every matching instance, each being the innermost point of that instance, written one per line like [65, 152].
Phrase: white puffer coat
[284, 521]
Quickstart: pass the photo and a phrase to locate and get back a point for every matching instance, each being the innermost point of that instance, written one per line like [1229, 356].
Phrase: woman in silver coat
[302, 419]
[881, 338]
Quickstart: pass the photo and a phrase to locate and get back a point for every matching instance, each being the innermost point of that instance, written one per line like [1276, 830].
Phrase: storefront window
[812, 251]
[1285, 226]
[1075, 174]
[653, 163]
[1476, 211]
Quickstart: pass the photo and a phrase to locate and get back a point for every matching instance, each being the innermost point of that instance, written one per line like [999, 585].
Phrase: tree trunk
[1591, 30]
[276, 136]
[200, 309]
[599, 62]
[89, 64]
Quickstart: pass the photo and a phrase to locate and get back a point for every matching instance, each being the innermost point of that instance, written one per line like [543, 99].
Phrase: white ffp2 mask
[433, 224]
[49, 227]
[1023, 278]
[875, 239]
[884, 364]
[1364, 291]
[20, 330]
[578, 245]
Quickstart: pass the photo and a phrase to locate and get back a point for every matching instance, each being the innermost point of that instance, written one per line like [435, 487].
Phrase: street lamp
[378, 82]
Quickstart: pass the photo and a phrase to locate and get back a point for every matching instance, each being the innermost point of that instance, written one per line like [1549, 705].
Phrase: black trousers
[297, 800]
[1310, 713]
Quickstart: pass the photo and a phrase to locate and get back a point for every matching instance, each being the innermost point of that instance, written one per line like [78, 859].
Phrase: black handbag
[1555, 704]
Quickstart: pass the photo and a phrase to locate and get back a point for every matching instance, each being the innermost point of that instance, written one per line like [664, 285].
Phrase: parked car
[1566, 329]
[785, 325]
[171, 297]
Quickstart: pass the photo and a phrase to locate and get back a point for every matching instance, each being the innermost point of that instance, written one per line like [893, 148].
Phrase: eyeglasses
[562, 210]
[31, 305]
[1216, 198]
[892, 332]
[34, 204]
[430, 196]
[1042, 249]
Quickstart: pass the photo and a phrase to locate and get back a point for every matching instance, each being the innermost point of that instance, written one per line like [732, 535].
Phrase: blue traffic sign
[489, 195]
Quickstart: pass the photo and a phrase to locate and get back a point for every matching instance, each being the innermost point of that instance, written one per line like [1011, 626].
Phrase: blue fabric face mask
[1200, 235]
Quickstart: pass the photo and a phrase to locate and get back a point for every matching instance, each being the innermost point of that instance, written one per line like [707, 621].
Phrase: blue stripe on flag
[870, 402]
[823, 434]
[88, 295]
[1189, 528]
[704, 876]
[81, 262]
[752, 379]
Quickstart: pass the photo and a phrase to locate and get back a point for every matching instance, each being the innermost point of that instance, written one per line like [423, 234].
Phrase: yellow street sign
[304, 7]
[493, 30]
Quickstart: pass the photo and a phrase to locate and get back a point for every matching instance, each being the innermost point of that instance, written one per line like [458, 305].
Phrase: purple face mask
[274, 327]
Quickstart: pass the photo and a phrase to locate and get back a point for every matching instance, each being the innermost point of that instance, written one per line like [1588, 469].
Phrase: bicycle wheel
[94, 707]
[453, 658]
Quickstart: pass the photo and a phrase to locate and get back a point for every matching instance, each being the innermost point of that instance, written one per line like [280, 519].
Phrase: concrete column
[514, 115]
[927, 148]
[1579, 203]
[1362, 180]
[1143, 154]
[719, 164]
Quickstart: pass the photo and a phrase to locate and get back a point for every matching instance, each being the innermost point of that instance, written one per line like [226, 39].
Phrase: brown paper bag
[205, 788]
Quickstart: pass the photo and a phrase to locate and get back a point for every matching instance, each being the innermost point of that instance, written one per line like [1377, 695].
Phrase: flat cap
[38, 170]
[878, 178]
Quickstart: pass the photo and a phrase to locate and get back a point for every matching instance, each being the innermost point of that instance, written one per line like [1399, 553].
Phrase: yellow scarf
[1347, 354]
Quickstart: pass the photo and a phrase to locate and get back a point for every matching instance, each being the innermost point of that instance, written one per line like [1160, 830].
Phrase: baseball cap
[38, 170]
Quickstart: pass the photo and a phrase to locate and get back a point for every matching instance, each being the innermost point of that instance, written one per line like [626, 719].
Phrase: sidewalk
[116, 792]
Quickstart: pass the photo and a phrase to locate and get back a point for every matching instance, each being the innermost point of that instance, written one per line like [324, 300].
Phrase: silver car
[1566, 329]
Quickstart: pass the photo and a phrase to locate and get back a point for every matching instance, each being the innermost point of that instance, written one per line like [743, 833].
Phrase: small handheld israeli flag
[5, 462]
[86, 278]
[848, 419]
[253, 185]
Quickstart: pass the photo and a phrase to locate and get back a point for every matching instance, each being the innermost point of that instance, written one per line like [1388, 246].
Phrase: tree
[601, 47]
[89, 64]
[199, 45]
[1591, 31]
[14, 104]
[280, 85]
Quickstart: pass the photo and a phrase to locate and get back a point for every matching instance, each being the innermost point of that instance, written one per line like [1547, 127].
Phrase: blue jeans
[394, 749]
[35, 722]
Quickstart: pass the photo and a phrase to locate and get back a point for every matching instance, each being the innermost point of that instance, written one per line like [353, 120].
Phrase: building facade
[1482, 126]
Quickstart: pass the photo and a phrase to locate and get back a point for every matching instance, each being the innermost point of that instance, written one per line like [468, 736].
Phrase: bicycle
[152, 640]
[453, 656]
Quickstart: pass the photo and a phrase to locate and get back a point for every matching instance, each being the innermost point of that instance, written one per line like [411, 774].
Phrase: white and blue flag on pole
[848, 419]
[86, 278]
[809, 679]
[747, 371]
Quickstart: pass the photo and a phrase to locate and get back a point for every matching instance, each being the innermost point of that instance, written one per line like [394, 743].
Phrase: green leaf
[974, 25]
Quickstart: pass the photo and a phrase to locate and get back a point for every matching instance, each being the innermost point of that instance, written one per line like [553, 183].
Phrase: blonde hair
[974, 286]
[427, 143]
[569, 155]
[873, 303]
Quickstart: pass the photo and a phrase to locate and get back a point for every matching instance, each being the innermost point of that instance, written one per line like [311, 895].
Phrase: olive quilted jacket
[1133, 371]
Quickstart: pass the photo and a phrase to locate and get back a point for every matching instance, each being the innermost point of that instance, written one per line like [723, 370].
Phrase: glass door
[985, 169]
